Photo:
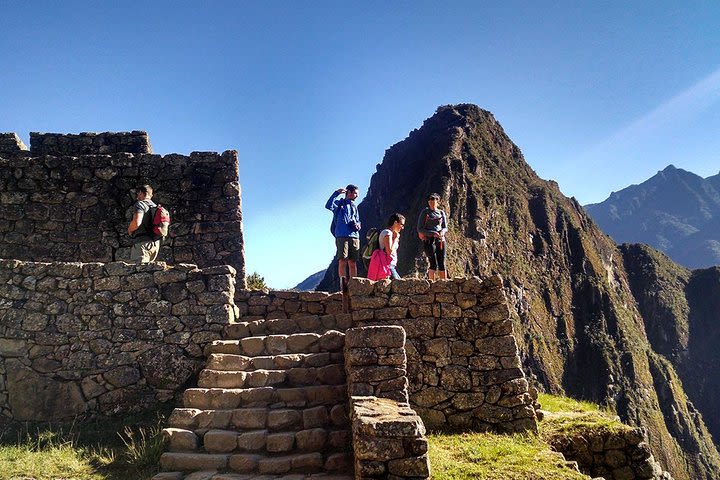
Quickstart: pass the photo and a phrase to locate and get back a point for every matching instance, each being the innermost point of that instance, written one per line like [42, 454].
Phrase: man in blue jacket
[347, 229]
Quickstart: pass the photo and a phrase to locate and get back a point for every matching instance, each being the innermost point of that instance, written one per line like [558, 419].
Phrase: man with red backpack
[148, 226]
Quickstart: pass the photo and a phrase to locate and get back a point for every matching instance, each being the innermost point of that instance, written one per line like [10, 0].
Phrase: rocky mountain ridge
[675, 211]
[577, 323]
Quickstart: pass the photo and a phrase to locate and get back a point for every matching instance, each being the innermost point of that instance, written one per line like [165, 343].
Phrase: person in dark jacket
[347, 229]
[432, 227]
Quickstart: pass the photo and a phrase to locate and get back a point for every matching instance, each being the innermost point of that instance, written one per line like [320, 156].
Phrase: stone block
[220, 441]
[244, 462]
[410, 467]
[378, 449]
[252, 441]
[283, 419]
[280, 442]
[410, 286]
[375, 336]
[312, 440]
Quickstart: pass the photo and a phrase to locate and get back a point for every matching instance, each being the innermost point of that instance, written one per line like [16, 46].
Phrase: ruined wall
[254, 304]
[463, 364]
[89, 143]
[77, 208]
[104, 338]
[622, 454]
[10, 143]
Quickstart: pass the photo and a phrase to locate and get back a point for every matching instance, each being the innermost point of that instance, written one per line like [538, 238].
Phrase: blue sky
[598, 95]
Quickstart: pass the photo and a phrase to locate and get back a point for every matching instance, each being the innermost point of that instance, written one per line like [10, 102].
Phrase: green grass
[565, 416]
[102, 450]
[487, 456]
[495, 457]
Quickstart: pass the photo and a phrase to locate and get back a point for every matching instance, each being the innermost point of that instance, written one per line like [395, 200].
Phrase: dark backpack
[373, 243]
[333, 224]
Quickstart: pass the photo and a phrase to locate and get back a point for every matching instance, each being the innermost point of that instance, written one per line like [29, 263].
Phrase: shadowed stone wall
[10, 143]
[104, 338]
[89, 143]
[77, 208]
[612, 454]
[255, 304]
[463, 364]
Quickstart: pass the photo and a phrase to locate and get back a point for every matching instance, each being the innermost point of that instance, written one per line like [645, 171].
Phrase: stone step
[259, 441]
[257, 463]
[231, 398]
[293, 377]
[330, 341]
[258, 418]
[230, 362]
[286, 326]
[214, 475]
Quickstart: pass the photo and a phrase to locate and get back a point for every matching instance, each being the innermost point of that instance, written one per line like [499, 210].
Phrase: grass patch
[519, 457]
[110, 449]
[565, 416]
[495, 457]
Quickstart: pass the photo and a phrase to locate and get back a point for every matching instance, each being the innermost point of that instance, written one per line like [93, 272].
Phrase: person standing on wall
[389, 241]
[346, 229]
[431, 228]
[145, 247]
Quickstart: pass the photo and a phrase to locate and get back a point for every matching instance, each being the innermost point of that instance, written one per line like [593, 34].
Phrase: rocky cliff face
[681, 310]
[579, 330]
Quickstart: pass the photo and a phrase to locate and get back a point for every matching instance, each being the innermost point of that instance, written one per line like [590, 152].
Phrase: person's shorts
[144, 252]
[348, 248]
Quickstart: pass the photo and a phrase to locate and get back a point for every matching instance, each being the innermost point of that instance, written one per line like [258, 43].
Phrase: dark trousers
[434, 248]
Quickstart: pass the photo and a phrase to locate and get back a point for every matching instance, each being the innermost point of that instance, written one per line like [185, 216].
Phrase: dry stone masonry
[287, 303]
[70, 199]
[272, 401]
[109, 338]
[388, 436]
[89, 143]
[11, 144]
[617, 454]
[463, 364]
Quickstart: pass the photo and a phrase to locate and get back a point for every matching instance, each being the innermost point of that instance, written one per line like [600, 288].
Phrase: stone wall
[78, 208]
[89, 143]
[388, 436]
[256, 304]
[388, 440]
[619, 454]
[463, 364]
[104, 338]
[10, 143]
[376, 363]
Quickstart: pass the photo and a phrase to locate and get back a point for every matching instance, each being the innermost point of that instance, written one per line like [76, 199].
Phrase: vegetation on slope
[520, 457]
[116, 449]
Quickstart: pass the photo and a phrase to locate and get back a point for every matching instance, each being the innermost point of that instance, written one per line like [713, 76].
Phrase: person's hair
[395, 217]
[433, 195]
[351, 188]
[146, 189]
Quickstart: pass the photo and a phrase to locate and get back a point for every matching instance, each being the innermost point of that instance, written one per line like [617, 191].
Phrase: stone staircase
[271, 403]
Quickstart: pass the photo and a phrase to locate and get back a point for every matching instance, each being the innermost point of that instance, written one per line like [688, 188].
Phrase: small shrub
[255, 282]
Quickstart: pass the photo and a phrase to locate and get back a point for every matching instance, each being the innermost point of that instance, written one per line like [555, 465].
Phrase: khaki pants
[144, 252]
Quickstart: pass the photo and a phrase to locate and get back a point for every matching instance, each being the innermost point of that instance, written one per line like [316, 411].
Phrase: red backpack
[160, 221]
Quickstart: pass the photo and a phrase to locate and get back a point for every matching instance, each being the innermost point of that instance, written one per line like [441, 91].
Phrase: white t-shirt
[393, 246]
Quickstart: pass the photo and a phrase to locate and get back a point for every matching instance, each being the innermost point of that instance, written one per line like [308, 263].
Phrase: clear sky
[597, 94]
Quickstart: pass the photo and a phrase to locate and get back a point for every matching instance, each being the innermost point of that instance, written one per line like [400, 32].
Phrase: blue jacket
[347, 216]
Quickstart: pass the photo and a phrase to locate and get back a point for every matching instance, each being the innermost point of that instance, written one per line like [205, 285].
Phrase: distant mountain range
[675, 211]
[311, 282]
